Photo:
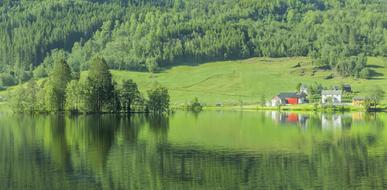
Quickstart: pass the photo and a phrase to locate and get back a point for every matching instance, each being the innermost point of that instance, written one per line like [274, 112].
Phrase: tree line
[145, 35]
[95, 93]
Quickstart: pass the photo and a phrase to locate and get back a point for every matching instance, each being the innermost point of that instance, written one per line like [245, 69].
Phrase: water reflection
[210, 150]
[324, 121]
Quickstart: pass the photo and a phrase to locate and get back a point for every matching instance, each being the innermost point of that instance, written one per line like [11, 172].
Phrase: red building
[287, 98]
[293, 100]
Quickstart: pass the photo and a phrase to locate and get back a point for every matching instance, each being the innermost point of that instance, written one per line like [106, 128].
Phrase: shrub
[365, 73]
[40, 72]
[7, 80]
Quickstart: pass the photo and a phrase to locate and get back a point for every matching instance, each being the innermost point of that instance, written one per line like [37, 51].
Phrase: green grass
[230, 82]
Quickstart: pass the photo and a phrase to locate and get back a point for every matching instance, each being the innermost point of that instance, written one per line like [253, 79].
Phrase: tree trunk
[129, 110]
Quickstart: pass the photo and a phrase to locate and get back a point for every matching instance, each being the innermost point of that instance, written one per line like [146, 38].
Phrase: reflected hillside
[210, 150]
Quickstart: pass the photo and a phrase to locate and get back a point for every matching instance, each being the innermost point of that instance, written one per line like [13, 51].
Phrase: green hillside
[146, 35]
[247, 80]
[228, 82]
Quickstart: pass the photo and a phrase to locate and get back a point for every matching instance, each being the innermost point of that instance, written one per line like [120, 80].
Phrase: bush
[158, 99]
[7, 80]
[196, 106]
[365, 73]
[40, 72]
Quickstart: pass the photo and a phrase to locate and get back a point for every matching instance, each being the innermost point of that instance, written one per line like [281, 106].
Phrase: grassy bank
[233, 82]
[303, 107]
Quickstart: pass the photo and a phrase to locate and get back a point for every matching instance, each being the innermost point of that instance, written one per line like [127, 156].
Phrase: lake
[207, 150]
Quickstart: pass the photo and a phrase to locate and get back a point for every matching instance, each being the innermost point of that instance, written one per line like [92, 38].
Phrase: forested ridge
[150, 34]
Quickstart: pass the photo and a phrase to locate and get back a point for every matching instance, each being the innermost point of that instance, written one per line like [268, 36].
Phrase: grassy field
[230, 82]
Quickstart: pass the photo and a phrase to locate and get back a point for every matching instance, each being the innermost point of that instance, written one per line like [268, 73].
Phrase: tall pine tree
[102, 88]
[55, 89]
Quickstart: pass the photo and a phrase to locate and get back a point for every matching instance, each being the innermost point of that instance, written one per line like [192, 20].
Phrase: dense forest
[146, 35]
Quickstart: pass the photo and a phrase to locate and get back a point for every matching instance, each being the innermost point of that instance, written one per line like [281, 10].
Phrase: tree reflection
[137, 152]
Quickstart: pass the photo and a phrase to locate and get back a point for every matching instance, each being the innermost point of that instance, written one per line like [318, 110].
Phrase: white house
[331, 96]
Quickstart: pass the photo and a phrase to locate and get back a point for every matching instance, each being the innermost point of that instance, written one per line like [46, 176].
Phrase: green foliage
[7, 79]
[95, 93]
[263, 101]
[51, 96]
[128, 94]
[146, 35]
[79, 96]
[151, 65]
[314, 91]
[56, 86]
[374, 95]
[196, 106]
[158, 99]
[298, 87]
[28, 98]
[29, 30]
[40, 72]
[101, 84]
[365, 73]
[351, 66]
[76, 97]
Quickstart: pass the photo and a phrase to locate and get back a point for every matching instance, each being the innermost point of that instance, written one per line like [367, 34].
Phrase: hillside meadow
[232, 82]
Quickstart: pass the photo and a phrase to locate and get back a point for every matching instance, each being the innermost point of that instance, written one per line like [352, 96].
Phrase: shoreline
[296, 108]
[4, 108]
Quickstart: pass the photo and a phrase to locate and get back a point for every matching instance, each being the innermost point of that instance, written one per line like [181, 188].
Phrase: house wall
[276, 102]
[292, 100]
[301, 101]
[358, 102]
[335, 98]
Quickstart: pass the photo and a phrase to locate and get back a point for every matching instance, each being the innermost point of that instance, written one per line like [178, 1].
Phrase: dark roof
[347, 88]
[288, 95]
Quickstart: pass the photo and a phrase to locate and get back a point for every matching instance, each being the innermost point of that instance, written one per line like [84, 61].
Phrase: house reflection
[290, 118]
[324, 121]
[329, 121]
[358, 116]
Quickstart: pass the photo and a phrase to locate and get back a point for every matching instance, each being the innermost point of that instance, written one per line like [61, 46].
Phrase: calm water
[210, 150]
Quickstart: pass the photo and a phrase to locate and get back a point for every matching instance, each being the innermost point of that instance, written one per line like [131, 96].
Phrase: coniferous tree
[102, 88]
[55, 88]
[73, 96]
